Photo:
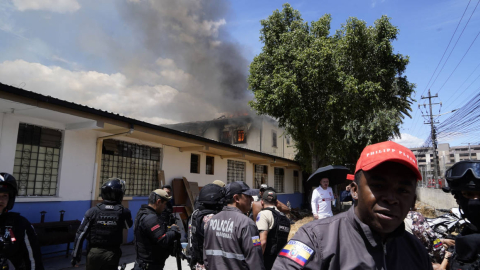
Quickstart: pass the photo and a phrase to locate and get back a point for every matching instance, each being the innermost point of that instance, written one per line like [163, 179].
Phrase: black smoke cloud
[192, 34]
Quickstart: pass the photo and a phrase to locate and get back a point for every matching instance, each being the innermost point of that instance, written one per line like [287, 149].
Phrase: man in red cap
[371, 235]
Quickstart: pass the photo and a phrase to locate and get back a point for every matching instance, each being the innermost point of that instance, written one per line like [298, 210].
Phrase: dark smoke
[191, 33]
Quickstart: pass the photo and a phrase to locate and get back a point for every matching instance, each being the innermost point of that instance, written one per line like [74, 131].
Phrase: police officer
[274, 228]
[231, 238]
[153, 239]
[18, 243]
[371, 235]
[464, 183]
[103, 227]
[167, 214]
[210, 201]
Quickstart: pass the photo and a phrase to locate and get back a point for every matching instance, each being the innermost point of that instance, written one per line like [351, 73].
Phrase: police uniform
[231, 238]
[20, 245]
[18, 241]
[153, 240]
[278, 227]
[103, 227]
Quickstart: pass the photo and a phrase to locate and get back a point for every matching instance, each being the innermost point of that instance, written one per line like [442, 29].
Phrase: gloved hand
[176, 230]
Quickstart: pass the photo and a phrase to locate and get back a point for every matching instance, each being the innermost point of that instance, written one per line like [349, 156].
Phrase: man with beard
[371, 234]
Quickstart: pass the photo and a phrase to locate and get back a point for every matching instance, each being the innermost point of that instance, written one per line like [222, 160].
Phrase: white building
[61, 152]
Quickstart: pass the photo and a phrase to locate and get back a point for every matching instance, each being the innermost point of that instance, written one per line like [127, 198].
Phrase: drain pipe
[98, 157]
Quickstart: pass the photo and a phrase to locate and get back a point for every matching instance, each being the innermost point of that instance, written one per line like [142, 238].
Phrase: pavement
[128, 257]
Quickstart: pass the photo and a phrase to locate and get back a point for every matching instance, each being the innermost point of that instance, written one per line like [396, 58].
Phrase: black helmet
[464, 175]
[211, 195]
[9, 184]
[113, 190]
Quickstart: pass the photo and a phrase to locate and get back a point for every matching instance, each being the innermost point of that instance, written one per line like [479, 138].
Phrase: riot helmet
[9, 184]
[113, 190]
[211, 196]
[464, 179]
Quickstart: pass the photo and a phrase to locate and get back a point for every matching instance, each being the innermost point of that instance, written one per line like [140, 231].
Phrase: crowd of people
[228, 230]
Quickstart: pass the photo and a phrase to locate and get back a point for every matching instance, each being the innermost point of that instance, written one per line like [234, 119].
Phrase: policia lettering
[103, 227]
[223, 228]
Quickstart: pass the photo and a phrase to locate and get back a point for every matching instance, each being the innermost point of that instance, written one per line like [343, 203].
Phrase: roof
[82, 108]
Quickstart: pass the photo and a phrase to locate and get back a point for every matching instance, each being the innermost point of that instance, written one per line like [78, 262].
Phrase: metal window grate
[235, 171]
[274, 138]
[137, 165]
[194, 163]
[261, 175]
[37, 159]
[210, 165]
[279, 179]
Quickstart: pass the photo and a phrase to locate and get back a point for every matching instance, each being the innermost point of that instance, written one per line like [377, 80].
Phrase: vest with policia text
[107, 227]
[277, 237]
[196, 235]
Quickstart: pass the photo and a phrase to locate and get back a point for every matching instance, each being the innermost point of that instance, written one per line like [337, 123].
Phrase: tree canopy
[333, 93]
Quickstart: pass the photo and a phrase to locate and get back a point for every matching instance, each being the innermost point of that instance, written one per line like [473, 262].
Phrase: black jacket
[344, 242]
[22, 248]
[153, 241]
[103, 227]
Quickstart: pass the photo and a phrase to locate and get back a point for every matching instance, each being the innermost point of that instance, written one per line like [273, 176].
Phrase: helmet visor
[460, 169]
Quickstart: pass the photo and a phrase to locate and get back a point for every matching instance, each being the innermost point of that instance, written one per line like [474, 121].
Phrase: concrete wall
[436, 198]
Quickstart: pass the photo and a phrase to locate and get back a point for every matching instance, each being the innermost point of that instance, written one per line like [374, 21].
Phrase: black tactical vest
[148, 251]
[196, 235]
[107, 227]
[277, 237]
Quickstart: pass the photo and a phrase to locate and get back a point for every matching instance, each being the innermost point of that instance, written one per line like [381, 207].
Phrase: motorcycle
[446, 224]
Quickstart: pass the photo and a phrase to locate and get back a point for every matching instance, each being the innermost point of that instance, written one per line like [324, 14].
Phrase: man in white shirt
[322, 198]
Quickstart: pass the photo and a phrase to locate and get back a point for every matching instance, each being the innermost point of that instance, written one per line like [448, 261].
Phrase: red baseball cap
[375, 154]
[350, 177]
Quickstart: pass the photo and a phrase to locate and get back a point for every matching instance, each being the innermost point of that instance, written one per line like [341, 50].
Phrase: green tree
[334, 94]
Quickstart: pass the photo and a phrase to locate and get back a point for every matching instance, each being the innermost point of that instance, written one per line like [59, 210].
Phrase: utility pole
[433, 135]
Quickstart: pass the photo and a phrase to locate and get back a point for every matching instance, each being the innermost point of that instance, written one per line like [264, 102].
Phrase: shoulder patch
[256, 241]
[258, 217]
[155, 227]
[297, 252]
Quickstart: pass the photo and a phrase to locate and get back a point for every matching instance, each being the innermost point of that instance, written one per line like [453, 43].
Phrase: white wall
[76, 161]
[176, 164]
[212, 133]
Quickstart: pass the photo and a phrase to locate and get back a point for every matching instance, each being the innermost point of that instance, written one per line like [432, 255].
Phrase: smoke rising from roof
[186, 46]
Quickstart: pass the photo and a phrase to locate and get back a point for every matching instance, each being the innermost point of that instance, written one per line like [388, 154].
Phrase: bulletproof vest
[107, 226]
[196, 234]
[148, 251]
[467, 252]
[277, 237]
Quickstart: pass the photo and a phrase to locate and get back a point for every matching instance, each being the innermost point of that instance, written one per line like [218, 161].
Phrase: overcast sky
[187, 60]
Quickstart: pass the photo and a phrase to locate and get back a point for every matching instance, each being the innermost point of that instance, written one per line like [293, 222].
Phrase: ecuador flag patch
[256, 241]
[297, 252]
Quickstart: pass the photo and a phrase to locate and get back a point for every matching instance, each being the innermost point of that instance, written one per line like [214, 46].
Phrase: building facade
[61, 153]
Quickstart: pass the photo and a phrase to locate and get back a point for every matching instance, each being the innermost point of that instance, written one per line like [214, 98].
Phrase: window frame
[235, 164]
[212, 158]
[237, 141]
[198, 163]
[279, 187]
[263, 173]
[296, 182]
[274, 139]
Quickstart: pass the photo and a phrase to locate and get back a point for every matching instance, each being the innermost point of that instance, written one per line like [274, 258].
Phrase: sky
[165, 61]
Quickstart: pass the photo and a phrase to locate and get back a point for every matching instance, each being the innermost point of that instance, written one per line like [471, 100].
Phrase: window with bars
[136, 164]
[235, 171]
[195, 163]
[296, 182]
[279, 180]
[225, 136]
[261, 175]
[37, 160]
[210, 165]
[274, 138]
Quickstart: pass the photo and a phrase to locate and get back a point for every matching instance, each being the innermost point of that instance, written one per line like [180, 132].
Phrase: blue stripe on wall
[294, 198]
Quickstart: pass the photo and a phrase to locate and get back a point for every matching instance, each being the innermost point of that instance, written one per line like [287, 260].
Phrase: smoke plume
[185, 46]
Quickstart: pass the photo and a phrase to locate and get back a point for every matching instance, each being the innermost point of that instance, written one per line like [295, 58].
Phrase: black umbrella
[335, 173]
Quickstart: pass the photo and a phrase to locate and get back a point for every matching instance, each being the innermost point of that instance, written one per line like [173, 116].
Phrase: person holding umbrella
[322, 198]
